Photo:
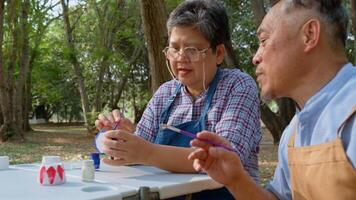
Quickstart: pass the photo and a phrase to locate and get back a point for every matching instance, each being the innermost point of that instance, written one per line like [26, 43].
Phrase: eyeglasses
[191, 53]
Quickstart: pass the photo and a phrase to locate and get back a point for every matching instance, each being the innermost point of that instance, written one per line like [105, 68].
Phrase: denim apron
[168, 137]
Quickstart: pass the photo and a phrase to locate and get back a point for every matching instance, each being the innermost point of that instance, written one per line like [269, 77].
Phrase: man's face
[191, 72]
[278, 57]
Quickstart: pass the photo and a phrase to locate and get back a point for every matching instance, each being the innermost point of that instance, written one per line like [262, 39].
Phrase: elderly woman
[201, 96]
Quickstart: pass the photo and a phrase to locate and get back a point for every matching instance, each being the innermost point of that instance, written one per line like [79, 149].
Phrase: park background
[64, 62]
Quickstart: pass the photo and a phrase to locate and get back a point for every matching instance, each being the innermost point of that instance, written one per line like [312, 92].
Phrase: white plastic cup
[51, 171]
[4, 162]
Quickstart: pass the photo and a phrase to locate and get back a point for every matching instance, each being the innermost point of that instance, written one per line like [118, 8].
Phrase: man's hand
[223, 166]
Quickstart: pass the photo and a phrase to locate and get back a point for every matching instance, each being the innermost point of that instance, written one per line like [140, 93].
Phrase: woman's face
[192, 60]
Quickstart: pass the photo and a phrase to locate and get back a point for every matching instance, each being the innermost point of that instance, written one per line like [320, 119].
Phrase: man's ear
[311, 34]
[220, 53]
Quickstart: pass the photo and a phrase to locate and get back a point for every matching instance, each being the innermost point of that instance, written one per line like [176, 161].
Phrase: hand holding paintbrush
[191, 135]
[112, 121]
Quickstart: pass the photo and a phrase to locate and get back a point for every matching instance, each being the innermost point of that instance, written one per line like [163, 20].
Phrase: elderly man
[301, 56]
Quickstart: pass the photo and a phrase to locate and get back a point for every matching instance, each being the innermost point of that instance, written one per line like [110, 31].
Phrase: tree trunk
[104, 64]
[231, 59]
[133, 97]
[77, 69]
[3, 85]
[7, 95]
[286, 110]
[120, 89]
[14, 30]
[154, 24]
[1, 117]
[276, 122]
[258, 10]
[24, 63]
[353, 22]
[28, 84]
[121, 85]
[27, 104]
[39, 33]
[272, 122]
[272, 2]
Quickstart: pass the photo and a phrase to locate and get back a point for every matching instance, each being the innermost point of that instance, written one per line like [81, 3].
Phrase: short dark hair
[330, 12]
[208, 16]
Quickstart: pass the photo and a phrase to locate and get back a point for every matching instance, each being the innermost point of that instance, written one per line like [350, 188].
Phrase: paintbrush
[117, 126]
[117, 123]
[191, 135]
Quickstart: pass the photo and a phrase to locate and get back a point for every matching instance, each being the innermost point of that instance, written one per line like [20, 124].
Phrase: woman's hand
[107, 122]
[126, 148]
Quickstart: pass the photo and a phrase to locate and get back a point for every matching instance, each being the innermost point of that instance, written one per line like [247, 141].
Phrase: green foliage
[171, 5]
[54, 82]
[53, 77]
[243, 32]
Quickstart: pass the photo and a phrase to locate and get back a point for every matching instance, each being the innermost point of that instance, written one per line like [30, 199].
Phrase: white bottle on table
[88, 173]
[4, 162]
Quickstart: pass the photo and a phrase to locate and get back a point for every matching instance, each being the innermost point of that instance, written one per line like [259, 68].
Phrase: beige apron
[321, 172]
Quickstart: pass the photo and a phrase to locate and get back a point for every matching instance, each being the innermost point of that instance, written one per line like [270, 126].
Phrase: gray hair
[330, 12]
[208, 16]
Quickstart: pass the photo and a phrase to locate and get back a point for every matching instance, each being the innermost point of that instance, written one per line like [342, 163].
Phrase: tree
[21, 19]
[231, 59]
[13, 75]
[3, 85]
[154, 25]
[74, 60]
[257, 7]
[110, 20]
[40, 21]
[1, 117]
[24, 67]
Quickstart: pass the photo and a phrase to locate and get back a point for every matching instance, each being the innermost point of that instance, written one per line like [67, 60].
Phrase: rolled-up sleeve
[240, 122]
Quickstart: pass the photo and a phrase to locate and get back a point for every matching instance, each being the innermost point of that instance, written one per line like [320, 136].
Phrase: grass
[69, 142]
[268, 157]
[72, 143]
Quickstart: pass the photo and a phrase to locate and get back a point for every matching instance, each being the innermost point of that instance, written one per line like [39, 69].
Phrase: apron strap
[211, 91]
[292, 137]
[209, 98]
[349, 117]
[167, 108]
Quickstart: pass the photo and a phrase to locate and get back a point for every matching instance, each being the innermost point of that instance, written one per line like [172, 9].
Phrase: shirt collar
[325, 94]
[184, 91]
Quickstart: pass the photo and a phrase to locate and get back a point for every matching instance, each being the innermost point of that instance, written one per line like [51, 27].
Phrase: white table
[19, 184]
[122, 182]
